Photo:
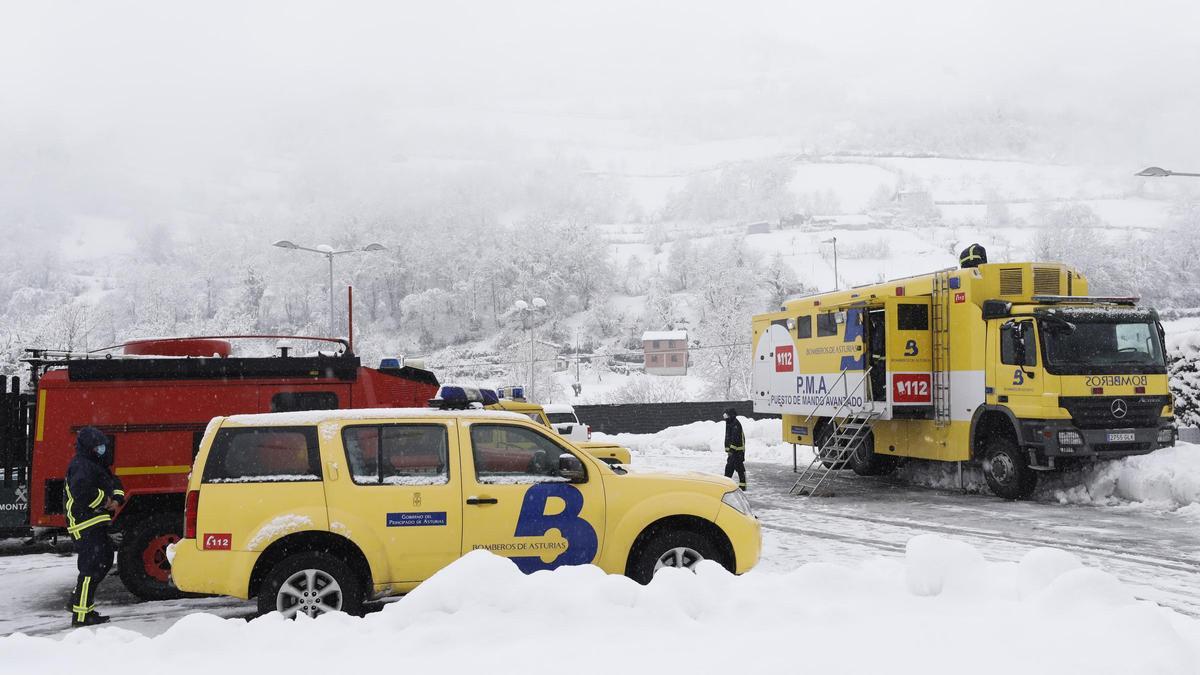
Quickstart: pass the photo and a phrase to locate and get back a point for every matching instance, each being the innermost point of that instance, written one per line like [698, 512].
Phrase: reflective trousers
[95, 559]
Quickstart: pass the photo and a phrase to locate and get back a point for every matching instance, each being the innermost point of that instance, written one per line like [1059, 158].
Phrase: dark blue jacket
[735, 438]
[90, 484]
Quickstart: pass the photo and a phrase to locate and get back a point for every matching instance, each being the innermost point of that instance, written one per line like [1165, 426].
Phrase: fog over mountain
[150, 153]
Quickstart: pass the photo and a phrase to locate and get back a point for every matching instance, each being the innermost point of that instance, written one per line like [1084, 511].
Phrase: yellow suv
[318, 511]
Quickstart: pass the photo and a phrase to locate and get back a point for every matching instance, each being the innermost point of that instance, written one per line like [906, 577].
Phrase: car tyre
[142, 560]
[310, 583]
[1007, 470]
[673, 548]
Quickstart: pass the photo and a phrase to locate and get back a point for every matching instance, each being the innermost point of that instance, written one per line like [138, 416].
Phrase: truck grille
[1096, 412]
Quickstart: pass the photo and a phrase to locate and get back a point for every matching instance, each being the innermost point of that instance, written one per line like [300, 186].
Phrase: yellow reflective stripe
[41, 418]
[75, 529]
[82, 608]
[152, 470]
[98, 500]
[70, 503]
[119, 492]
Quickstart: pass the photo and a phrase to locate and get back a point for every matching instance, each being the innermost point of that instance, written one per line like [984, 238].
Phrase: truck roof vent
[1046, 281]
[1010, 281]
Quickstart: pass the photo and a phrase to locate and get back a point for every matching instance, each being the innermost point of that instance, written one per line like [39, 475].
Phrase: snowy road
[1156, 552]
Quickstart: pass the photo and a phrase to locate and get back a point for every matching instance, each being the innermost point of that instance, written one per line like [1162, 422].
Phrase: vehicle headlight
[1069, 437]
[1166, 435]
[737, 500]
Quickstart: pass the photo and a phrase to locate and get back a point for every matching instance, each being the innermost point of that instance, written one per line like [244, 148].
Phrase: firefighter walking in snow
[735, 447]
[92, 494]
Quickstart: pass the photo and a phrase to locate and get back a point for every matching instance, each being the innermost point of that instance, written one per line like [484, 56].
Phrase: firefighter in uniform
[735, 447]
[92, 494]
[972, 256]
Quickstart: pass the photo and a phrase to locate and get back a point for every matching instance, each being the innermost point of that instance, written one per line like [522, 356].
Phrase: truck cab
[1081, 378]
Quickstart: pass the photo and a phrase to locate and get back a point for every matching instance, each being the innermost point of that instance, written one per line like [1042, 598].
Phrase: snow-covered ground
[939, 607]
[929, 578]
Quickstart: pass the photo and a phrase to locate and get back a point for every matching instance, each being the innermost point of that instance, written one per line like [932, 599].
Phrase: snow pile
[941, 607]
[1168, 478]
[763, 442]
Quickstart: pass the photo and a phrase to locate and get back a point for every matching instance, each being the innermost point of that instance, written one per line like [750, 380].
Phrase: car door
[400, 487]
[515, 502]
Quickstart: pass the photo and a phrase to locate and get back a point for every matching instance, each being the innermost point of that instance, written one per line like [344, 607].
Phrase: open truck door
[909, 357]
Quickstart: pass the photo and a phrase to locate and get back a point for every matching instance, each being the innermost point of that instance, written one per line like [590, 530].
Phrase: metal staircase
[851, 428]
[940, 303]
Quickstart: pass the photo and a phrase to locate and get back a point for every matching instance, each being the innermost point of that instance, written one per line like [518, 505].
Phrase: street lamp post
[1159, 172]
[526, 310]
[833, 240]
[327, 251]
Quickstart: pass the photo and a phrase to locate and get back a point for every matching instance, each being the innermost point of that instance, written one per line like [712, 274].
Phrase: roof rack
[1129, 300]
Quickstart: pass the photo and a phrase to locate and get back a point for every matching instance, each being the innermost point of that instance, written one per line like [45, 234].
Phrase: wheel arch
[989, 422]
[311, 541]
[701, 526]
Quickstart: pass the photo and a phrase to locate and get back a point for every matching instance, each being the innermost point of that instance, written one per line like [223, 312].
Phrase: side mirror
[996, 309]
[571, 468]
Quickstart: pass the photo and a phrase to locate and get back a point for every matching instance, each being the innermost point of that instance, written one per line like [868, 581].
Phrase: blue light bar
[455, 395]
[389, 364]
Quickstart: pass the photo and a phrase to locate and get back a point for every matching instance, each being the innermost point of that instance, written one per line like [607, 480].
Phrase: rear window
[264, 455]
[562, 418]
[397, 454]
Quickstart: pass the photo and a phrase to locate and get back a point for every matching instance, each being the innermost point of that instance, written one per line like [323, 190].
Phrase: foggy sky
[137, 111]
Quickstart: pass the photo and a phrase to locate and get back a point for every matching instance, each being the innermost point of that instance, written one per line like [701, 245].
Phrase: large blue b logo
[533, 522]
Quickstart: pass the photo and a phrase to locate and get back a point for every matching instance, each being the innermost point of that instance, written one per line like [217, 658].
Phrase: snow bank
[1165, 479]
[941, 607]
[763, 442]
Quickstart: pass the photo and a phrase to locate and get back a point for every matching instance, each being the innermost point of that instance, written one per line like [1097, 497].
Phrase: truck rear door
[909, 353]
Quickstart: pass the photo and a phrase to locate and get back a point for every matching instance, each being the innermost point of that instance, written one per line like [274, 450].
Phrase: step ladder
[850, 432]
[940, 305]
[848, 439]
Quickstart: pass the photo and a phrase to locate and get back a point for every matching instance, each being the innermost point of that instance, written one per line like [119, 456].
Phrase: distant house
[761, 227]
[665, 352]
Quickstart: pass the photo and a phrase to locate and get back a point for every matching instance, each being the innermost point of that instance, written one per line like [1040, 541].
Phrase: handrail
[845, 395]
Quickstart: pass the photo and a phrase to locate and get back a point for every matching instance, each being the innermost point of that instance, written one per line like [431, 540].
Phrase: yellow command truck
[1011, 365]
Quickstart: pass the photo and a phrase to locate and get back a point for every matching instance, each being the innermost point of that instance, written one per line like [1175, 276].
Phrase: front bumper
[745, 536]
[1041, 437]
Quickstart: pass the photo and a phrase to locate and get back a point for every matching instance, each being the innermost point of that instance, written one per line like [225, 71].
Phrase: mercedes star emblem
[1120, 408]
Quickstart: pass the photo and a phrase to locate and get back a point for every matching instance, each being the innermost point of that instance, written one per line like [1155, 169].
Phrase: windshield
[561, 417]
[1102, 347]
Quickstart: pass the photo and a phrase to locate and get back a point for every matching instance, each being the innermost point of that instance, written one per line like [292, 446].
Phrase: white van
[563, 420]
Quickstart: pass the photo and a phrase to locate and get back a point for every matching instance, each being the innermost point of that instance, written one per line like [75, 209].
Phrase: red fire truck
[153, 402]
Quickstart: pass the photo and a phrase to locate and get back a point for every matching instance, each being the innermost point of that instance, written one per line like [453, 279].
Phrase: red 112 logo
[785, 358]
[218, 542]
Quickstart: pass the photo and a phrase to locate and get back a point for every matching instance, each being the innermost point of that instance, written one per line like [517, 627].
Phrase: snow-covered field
[929, 579]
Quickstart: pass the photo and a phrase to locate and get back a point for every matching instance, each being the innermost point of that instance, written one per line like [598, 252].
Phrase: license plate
[1120, 437]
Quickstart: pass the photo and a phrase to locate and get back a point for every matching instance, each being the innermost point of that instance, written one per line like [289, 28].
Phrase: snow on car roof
[318, 416]
[558, 408]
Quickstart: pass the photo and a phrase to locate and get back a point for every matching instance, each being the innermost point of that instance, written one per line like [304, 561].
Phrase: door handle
[482, 500]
